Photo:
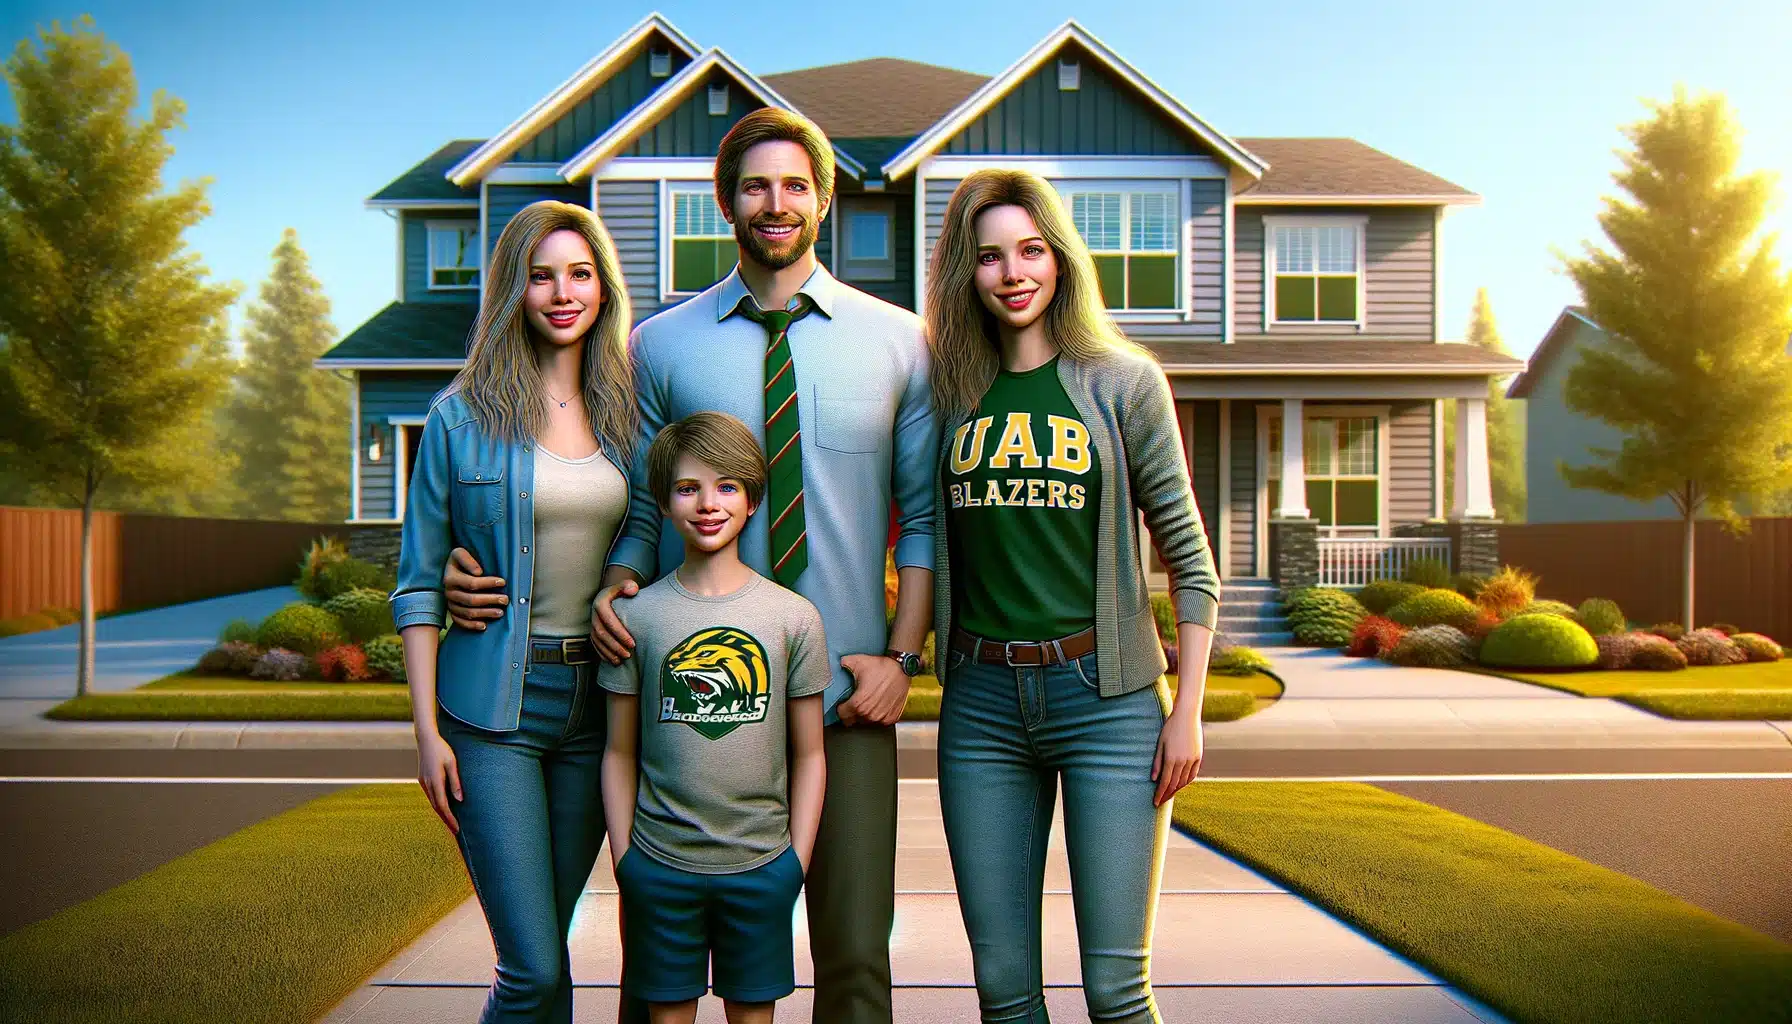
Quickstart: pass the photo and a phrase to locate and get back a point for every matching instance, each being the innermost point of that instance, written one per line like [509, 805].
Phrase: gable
[607, 104]
[689, 129]
[1103, 116]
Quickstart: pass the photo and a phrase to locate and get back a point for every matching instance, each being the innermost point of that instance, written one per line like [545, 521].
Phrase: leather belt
[572, 650]
[1016, 654]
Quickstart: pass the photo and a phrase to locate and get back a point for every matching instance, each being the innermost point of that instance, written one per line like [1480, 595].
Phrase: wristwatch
[910, 662]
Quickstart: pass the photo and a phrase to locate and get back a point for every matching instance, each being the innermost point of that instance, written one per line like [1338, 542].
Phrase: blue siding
[899, 290]
[1102, 116]
[626, 87]
[503, 202]
[383, 394]
[416, 257]
[630, 210]
[690, 129]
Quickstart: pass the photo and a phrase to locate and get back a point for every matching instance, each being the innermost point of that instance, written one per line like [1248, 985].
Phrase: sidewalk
[131, 649]
[1230, 946]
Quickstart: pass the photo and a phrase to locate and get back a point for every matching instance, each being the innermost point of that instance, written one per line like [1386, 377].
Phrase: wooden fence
[144, 561]
[1744, 580]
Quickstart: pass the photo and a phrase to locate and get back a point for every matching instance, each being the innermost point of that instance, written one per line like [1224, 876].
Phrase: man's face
[777, 213]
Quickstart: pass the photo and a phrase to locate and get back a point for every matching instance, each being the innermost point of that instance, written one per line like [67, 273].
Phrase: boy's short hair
[718, 440]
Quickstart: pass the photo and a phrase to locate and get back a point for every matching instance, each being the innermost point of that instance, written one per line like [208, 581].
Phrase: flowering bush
[1627, 651]
[344, 664]
[231, 658]
[1657, 655]
[1725, 628]
[1374, 637]
[1432, 647]
[1758, 647]
[1669, 631]
[281, 665]
[1507, 592]
[1709, 647]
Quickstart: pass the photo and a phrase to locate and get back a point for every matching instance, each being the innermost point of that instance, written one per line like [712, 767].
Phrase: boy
[711, 831]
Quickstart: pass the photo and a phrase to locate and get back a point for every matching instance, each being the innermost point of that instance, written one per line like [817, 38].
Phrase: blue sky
[298, 112]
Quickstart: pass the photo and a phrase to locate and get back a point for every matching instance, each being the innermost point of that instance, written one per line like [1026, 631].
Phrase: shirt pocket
[855, 426]
[478, 495]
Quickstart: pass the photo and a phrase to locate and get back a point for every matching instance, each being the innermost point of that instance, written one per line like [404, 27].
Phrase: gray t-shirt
[714, 790]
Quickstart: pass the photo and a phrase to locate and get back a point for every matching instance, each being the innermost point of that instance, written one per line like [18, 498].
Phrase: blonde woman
[521, 465]
[1055, 433]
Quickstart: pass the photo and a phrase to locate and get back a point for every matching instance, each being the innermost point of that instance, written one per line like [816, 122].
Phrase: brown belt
[570, 651]
[1018, 653]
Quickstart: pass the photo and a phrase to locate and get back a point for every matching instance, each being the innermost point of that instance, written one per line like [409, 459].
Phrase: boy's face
[708, 510]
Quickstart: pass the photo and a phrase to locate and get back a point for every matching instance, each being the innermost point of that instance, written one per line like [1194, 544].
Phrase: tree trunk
[1686, 576]
[84, 669]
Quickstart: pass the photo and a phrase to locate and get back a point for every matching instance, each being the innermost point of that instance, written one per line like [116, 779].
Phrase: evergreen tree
[290, 420]
[1696, 376]
[113, 337]
[1505, 426]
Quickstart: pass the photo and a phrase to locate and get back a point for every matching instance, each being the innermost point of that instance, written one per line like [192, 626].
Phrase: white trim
[421, 204]
[1187, 261]
[1265, 412]
[1313, 199]
[594, 209]
[1437, 458]
[1177, 311]
[1228, 241]
[1419, 369]
[429, 256]
[482, 242]
[1225, 499]
[834, 237]
[570, 92]
[401, 459]
[646, 168]
[996, 88]
[676, 90]
[354, 440]
[1268, 387]
[666, 226]
[398, 282]
[1361, 223]
[406, 419]
[1473, 497]
[326, 363]
[922, 252]
[840, 212]
[955, 167]
[526, 174]
[1437, 274]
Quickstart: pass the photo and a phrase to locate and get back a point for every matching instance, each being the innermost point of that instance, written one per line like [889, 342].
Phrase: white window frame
[1177, 191]
[879, 269]
[430, 228]
[1268, 412]
[668, 188]
[401, 459]
[1360, 223]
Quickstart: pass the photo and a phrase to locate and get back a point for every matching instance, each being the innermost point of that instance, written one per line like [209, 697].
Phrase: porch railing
[1355, 561]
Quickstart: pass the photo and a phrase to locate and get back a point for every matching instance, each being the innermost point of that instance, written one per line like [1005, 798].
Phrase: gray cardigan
[1125, 401]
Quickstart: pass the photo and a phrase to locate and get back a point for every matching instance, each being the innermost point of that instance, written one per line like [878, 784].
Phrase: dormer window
[659, 62]
[1069, 75]
[718, 100]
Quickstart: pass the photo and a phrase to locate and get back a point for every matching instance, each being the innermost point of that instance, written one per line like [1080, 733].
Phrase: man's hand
[880, 691]
[463, 580]
[609, 636]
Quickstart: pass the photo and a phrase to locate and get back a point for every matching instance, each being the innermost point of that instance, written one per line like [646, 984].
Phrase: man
[835, 384]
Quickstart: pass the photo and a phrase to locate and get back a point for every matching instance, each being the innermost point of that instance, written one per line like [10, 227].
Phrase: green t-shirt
[1023, 491]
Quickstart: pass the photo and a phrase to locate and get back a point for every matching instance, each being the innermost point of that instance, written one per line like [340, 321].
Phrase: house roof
[1341, 170]
[407, 333]
[428, 182]
[1555, 340]
[1366, 357]
[883, 96]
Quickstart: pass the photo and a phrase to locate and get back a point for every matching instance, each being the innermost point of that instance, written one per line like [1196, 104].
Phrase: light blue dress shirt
[868, 442]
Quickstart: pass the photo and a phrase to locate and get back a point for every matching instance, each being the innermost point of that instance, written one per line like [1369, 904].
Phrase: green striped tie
[783, 443]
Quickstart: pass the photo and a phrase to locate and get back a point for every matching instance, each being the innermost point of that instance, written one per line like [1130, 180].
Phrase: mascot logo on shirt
[714, 680]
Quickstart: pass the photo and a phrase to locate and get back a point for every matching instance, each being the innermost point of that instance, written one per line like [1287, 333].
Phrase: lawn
[277, 922]
[1758, 690]
[1535, 933]
[1227, 698]
[194, 698]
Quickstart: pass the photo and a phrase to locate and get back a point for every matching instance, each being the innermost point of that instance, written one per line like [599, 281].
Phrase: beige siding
[1399, 264]
[1410, 467]
[630, 210]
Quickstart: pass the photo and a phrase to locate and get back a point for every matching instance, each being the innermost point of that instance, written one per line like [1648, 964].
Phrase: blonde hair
[718, 440]
[500, 379]
[773, 124]
[962, 331]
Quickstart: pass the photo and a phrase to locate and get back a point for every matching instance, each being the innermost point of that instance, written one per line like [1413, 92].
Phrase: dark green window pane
[727, 254]
[1294, 298]
[1337, 298]
[694, 262]
[1359, 503]
[1319, 501]
[1153, 282]
[1113, 280]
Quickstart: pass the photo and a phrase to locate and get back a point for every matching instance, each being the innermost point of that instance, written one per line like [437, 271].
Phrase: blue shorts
[673, 920]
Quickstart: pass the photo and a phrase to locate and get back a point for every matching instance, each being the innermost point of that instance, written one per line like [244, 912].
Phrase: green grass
[1226, 699]
[342, 704]
[1715, 705]
[1756, 675]
[1535, 933]
[277, 922]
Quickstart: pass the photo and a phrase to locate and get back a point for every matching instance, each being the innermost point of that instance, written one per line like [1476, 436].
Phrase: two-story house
[1288, 286]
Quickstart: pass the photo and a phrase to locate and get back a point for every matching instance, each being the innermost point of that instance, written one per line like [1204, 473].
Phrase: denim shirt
[471, 490]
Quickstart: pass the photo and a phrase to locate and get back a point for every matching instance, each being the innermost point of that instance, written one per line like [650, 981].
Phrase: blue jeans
[1006, 737]
[531, 825]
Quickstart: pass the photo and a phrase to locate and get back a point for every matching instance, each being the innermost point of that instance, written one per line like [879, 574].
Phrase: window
[1342, 456]
[703, 248]
[1134, 237]
[659, 63]
[867, 242]
[718, 100]
[454, 254]
[1317, 266]
[1069, 75]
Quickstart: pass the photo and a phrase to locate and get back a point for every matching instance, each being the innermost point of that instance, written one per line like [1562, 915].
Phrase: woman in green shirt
[1056, 432]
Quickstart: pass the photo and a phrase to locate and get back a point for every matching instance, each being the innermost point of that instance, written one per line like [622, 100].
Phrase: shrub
[1238, 661]
[1709, 647]
[1164, 611]
[1539, 641]
[385, 657]
[1485, 623]
[1374, 637]
[1469, 584]
[282, 665]
[1433, 647]
[344, 664]
[1381, 595]
[62, 616]
[1294, 597]
[1436, 608]
[1657, 655]
[1173, 659]
[1325, 618]
[1507, 592]
[34, 623]
[1622, 651]
[927, 654]
[1725, 628]
[230, 658]
[339, 578]
[323, 553]
[1427, 572]
[301, 627]
[240, 631]
[1600, 617]
[1758, 647]
[1669, 631]
[364, 613]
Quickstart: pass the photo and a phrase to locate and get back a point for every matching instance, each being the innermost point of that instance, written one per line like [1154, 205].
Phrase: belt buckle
[1008, 653]
[567, 652]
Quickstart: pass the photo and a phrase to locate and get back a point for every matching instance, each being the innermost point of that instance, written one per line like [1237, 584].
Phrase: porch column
[1293, 504]
[1474, 483]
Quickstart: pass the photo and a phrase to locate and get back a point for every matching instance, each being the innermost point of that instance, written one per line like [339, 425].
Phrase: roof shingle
[429, 179]
[1368, 356]
[1339, 167]
[882, 96]
[410, 330]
